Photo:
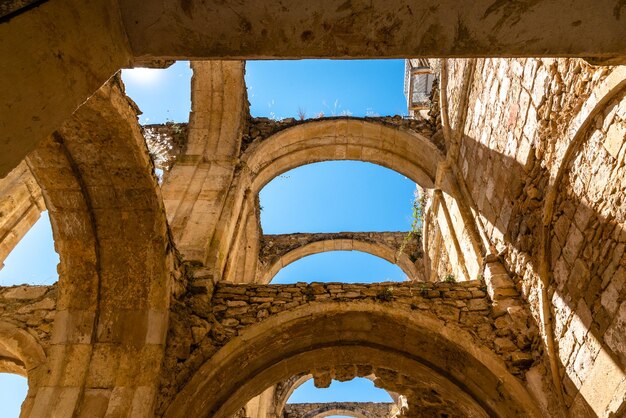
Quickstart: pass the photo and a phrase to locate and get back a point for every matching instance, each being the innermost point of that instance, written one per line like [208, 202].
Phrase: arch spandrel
[320, 337]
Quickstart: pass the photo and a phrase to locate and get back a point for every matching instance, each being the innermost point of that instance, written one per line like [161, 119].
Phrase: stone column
[108, 220]
[195, 190]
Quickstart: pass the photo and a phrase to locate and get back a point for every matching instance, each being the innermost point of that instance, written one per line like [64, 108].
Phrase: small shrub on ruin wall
[449, 278]
[385, 295]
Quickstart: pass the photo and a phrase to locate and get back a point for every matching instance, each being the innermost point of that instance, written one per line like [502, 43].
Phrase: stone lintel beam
[262, 29]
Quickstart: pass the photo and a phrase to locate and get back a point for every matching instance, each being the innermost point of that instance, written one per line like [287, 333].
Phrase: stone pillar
[21, 204]
[107, 342]
[195, 190]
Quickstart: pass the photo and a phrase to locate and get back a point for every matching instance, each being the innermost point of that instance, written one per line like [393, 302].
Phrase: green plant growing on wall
[423, 290]
[418, 206]
[449, 278]
[385, 295]
[483, 285]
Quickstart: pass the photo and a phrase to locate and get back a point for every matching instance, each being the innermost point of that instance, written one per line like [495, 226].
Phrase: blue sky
[36, 245]
[324, 197]
[355, 390]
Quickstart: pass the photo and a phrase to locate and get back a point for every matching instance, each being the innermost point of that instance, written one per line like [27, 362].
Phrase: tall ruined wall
[542, 157]
[588, 261]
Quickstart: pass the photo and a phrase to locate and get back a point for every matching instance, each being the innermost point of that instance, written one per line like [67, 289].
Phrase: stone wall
[588, 260]
[466, 304]
[518, 111]
[359, 409]
[542, 156]
[26, 317]
[31, 308]
[200, 324]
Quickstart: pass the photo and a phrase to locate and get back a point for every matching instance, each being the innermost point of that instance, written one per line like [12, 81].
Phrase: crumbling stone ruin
[164, 305]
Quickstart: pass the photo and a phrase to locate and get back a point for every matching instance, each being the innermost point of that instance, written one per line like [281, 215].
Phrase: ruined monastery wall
[542, 154]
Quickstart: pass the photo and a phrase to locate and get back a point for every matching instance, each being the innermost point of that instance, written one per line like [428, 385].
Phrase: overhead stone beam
[374, 29]
[52, 58]
[48, 69]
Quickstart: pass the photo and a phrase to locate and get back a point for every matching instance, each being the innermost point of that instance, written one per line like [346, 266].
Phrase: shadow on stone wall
[585, 256]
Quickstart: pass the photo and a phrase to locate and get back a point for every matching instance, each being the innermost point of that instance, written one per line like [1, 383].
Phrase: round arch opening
[408, 352]
[361, 264]
[337, 197]
[403, 151]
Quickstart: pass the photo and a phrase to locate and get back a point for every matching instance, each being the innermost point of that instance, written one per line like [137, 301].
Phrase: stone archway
[334, 410]
[351, 242]
[21, 354]
[110, 232]
[323, 412]
[425, 358]
[399, 149]
[290, 385]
